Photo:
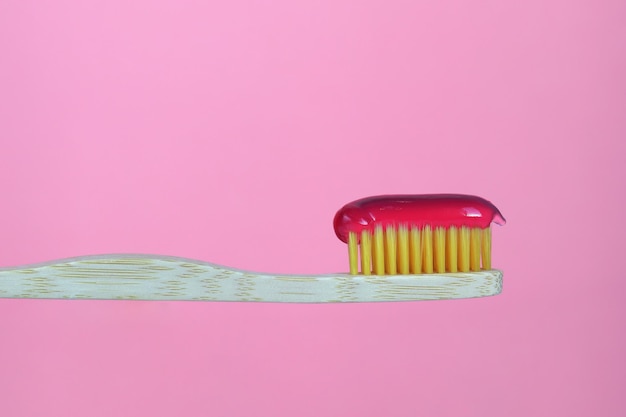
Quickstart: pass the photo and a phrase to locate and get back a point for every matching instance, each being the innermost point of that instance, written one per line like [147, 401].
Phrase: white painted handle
[142, 277]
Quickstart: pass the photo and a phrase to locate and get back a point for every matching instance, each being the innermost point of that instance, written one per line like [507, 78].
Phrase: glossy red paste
[436, 210]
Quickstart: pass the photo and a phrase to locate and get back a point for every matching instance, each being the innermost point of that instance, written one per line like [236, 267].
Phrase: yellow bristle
[353, 252]
[475, 238]
[464, 249]
[391, 260]
[486, 248]
[439, 249]
[415, 251]
[403, 249]
[452, 246]
[378, 251]
[427, 250]
[366, 252]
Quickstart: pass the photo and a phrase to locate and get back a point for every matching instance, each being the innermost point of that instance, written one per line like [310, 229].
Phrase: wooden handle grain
[143, 277]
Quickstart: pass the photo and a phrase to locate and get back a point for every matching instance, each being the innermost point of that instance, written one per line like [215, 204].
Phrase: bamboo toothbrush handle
[142, 277]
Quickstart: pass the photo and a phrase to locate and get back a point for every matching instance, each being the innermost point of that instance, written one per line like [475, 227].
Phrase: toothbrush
[408, 248]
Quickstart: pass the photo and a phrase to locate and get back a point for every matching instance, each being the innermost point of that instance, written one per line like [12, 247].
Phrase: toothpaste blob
[435, 210]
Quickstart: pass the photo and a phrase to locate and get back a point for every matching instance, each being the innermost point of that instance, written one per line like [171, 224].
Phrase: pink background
[231, 132]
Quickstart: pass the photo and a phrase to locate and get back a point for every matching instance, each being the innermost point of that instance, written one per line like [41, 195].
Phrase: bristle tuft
[475, 239]
[366, 252]
[378, 250]
[464, 249]
[486, 248]
[427, 250]
[452, 249]
[391, 261]
[415, 250]
[403, 250]
[439, 249]
[353, 253]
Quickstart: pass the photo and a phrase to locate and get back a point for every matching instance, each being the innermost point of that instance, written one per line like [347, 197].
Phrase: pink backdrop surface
[232, 131]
